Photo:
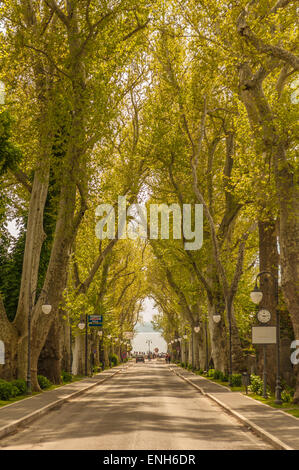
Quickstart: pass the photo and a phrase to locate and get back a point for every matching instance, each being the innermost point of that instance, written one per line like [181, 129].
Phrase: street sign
[2, 352]
[95, 320]
[264, 334]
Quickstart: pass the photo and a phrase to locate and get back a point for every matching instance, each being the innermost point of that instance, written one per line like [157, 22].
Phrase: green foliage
[236, 380]
[20, 384]
[11, 263]
[287, 396]
[7, 390]
[113, 359]
[43, 382]
[217, 374]
[223, 377]
[66, 377]
[256, 384]
[9, 153]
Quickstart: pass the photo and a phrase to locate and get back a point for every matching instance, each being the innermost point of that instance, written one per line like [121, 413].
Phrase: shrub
[223, 377]
[200, 371]
[217, 374]
[236, 380]
[189, 367]
[43, 382]
[113, 359]
[182, 364]
[21, 386]
[7, 390]
[286, 396]
[66, 377]
[256, 384]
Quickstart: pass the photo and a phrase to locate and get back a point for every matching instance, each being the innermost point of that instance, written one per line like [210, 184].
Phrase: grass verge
[75, 378]
[290, 408]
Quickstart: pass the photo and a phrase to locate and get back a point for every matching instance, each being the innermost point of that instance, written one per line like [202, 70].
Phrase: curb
[254, 427]
[10, 428]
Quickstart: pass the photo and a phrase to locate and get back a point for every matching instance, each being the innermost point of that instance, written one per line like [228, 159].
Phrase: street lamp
[46, 309]
[81, 326]
[256, 296]
[216, 318]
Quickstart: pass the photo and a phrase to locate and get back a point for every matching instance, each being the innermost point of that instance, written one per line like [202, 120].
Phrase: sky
[139, 343]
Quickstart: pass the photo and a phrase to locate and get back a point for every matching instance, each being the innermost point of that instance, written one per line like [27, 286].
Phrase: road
[144, 407]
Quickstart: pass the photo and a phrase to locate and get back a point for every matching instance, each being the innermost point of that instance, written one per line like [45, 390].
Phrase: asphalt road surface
[144, 407]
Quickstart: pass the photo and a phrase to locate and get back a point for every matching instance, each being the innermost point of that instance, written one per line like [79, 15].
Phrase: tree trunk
[288, 191]
[261, 116]
[268, 261]
[49, 362]
[9, 336]
[78, 367]
[218, 337]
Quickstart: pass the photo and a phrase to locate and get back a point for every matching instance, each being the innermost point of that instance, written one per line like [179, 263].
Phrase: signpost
[264, 335]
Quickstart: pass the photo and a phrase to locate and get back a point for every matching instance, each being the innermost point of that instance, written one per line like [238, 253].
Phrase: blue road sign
[95, 320]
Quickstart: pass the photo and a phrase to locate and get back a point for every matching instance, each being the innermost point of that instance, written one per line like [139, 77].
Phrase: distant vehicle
[139, 358]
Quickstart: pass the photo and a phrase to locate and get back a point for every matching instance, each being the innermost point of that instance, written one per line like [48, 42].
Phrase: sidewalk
[275, 426]
[27, 410]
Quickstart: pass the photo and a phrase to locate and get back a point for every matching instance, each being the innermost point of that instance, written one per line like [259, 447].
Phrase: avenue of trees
[164, 102]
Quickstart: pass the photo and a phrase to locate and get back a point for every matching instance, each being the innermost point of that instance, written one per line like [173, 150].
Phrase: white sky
[148, 310]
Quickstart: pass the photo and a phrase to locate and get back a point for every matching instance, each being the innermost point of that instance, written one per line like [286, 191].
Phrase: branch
[85, 285]
[82, 210]
[22, 178]
[52, 62]
[239, 265]
[279, 4]
[139, 28]
[197, 271]
[274, 51]
[124, 291]
[53, 5]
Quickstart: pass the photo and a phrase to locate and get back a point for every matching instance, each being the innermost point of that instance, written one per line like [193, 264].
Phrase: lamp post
[256, 296]
[180, 348]
[101, 337]
[149, 341]
[109, 352]
[83, 325]
[207, 344]
[185, 349]
[46, 309]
